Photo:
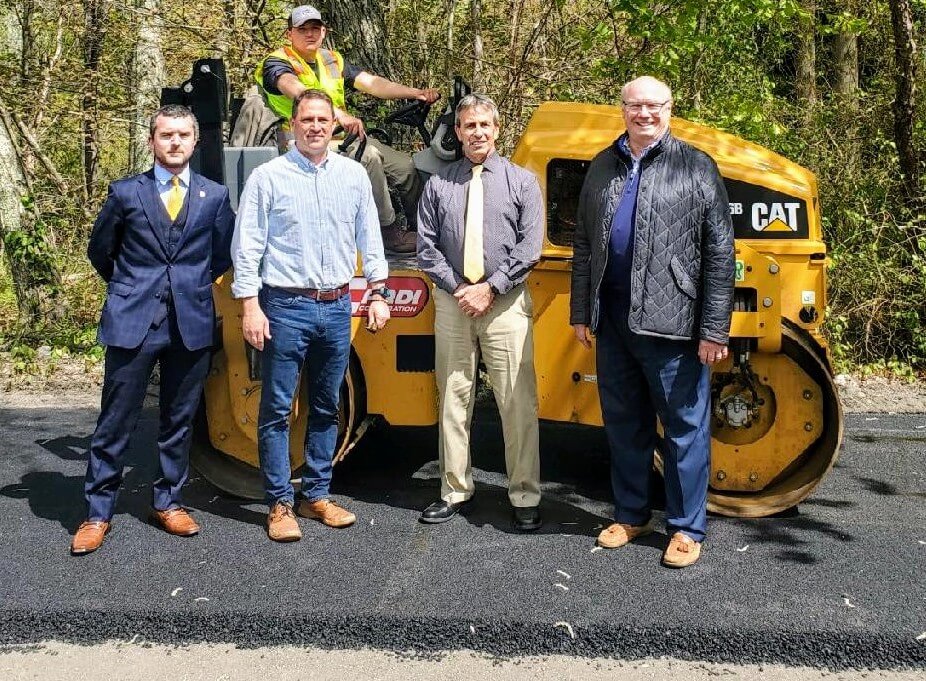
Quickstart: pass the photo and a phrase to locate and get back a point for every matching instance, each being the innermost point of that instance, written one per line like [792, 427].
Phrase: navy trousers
[125, 382]
[639, 378]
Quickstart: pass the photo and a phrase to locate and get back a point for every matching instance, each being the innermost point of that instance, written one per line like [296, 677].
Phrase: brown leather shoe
[282, 524]
[327, 512]
[616, 535]
[89, 536]
[682, 551]
[175, 521]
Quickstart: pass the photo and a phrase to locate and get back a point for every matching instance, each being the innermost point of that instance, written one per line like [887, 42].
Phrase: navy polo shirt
[620, 244]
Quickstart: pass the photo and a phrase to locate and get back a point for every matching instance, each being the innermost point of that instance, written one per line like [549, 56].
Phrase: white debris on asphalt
[597, 548]
[173, 594]
[845, 599]
[921, 637]
[567, 576]
[372, 521]
[922, 542]
[871, 418]
[744, 548]
[472, 629]
[567, 627]
[133, 639]
[200, 599]
[562, 586]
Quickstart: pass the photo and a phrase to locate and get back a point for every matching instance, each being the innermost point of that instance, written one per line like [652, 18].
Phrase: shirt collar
[623, 142]
[163, 175]
[299, 158]
[492, 163]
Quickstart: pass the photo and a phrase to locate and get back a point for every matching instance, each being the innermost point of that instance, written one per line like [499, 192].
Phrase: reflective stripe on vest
[330, 79]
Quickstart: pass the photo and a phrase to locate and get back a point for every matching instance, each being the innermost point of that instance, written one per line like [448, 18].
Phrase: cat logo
[775, 217]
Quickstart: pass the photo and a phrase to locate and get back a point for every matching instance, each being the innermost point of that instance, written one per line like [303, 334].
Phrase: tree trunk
[358, 29]
[94, 32]
[36, 280]
[805, 67]
[905, 58]
[147, 79]
[476, 9]
[845, 58]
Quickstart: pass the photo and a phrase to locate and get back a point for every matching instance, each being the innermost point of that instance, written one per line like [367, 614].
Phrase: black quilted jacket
[681, 285]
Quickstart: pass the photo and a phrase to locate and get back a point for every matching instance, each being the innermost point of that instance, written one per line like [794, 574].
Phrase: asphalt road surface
[838, 584]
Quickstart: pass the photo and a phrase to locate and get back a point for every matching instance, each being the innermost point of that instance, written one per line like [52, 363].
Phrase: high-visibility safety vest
[329, 78]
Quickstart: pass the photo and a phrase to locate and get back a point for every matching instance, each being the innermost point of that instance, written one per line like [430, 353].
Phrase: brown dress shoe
[398, 239]
[175, 521]
[682, 551]
[282, 524]
[327, 512]
[89, 536]
[616, 535]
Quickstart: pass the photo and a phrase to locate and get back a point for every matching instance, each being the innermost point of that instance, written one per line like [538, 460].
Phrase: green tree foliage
[731, 63]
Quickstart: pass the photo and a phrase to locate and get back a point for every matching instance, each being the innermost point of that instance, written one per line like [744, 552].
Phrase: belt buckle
[328, 294]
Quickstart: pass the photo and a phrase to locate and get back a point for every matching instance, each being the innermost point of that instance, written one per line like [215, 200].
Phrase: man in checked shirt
[480, 231]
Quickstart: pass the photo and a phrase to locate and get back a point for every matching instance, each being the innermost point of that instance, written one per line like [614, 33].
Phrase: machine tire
[238, 479]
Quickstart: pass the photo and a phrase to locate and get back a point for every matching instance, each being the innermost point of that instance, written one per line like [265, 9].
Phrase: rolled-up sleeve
[249, 241]
[367, 235]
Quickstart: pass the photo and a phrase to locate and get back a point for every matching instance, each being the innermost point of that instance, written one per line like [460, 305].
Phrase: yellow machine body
[776, 431]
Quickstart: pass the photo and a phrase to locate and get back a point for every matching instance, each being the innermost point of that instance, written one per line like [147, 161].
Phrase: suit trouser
[504, 338]
[388, 167]
[125, 382]
[640, 378]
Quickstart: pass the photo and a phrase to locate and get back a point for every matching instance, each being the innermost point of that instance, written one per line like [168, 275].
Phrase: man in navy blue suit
[159, 242]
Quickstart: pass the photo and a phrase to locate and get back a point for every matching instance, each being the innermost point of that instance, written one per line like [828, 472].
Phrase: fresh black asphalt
[839, 583]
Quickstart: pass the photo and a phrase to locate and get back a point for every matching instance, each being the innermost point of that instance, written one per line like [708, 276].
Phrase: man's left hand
[710, 352]
[377, 315]
[475, 300]
[429, 95]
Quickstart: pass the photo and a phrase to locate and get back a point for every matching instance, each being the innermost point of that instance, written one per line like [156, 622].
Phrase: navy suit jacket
[129, 249]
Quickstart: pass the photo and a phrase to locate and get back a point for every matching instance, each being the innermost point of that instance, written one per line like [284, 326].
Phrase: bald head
[647, 106]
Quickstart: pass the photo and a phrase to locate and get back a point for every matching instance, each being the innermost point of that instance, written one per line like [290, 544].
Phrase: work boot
[397, 238]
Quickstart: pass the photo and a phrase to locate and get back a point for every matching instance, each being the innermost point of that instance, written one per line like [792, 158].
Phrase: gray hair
[474, 101]
[648, 80]
[173, 111]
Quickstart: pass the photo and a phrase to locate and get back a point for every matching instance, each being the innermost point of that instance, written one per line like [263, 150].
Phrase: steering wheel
[414, 115]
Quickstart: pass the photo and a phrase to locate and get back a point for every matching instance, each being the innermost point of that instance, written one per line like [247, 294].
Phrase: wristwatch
[383, 292]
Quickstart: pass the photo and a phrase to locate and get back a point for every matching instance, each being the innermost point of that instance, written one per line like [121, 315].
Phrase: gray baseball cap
[304, 13]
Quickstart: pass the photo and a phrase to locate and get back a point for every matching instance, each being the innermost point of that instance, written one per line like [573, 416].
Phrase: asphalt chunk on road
[837, 583]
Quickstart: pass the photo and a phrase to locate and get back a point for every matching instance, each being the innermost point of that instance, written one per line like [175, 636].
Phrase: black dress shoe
[527, 519]
[441, 511]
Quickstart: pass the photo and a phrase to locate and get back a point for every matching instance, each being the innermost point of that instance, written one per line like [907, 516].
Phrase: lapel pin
[202, 194]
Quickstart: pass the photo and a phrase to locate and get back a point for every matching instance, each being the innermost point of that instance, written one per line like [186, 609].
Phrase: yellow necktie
[174, 198]
[473, 257]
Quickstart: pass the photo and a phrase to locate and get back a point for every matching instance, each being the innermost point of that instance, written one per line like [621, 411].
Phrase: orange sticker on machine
[408, 297]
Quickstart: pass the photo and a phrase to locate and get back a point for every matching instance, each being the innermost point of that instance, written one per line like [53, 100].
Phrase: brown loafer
[89, 536]
[282, 524]
[175, 521]
[616, 535]
[682, 551]
[327, 512]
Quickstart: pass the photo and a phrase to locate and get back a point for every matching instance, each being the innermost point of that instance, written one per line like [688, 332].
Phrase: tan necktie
[174, 198]
[473, 258]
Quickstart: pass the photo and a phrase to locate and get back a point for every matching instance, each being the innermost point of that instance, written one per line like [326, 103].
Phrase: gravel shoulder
[141, 661]
[74, 381]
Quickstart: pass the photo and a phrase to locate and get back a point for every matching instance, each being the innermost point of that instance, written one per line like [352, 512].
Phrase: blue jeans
[640, 378]
[314, 336]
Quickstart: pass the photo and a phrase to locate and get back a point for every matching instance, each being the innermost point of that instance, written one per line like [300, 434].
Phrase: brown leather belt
[322, 294]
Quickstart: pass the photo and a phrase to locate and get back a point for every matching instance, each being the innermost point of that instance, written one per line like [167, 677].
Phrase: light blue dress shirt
[300, 226]
[163, 178]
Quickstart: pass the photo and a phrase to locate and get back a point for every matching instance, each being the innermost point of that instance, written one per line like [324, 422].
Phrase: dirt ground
[78, 380]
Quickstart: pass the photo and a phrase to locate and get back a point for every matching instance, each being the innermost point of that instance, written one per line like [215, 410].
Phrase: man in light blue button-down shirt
[302, 218]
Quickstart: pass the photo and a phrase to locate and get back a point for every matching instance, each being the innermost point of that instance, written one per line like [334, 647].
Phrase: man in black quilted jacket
[652, 278]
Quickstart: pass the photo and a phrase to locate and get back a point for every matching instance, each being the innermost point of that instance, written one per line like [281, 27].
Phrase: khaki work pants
[389, 168]
[504, 337]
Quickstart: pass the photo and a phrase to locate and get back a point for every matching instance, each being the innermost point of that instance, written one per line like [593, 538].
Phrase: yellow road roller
[776, 419]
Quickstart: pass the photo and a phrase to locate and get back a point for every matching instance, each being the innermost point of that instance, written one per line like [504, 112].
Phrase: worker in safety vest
[304, 64]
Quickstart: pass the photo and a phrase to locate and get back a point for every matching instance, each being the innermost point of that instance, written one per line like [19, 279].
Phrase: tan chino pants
[504, 338]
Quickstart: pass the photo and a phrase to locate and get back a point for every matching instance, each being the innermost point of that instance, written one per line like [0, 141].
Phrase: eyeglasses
[652, 107]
